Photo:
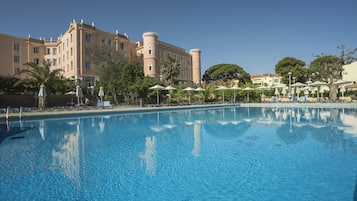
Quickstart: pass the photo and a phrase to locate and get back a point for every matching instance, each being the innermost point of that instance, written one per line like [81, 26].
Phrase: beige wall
[15, 52]
[70, 52]
[350, 72]
[155, 52]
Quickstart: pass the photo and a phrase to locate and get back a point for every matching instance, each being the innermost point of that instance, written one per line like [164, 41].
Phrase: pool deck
[96, 110]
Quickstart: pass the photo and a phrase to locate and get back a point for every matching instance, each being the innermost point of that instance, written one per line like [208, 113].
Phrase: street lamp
[289, 81]
[289, 90]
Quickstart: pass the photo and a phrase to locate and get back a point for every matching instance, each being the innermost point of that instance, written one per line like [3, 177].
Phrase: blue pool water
[225, 153]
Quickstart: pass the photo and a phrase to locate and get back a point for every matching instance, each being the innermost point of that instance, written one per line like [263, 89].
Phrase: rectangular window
[88, 37]
[88, 65]
[122, 46]
[54, 51]
[48, 61]
[71, 38]
[71, 51]
[88, 51]
[71, 65]
[36, 61]
[48, 51]
[16, 59]
[17, 70]
[54, 61]
[16, 47]
[35, 50]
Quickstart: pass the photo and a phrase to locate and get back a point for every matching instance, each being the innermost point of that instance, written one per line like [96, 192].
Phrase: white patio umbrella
[276, 92]
[199, 89]
[318, 84]
[298, 84]
[263, 88]
[298, 90]
[42, 96]
[170, 88]
[101, 93]
[79, 93]
[247, 89]
[234, 88]
[283, 91]
[189, 89]
[222, 88]
[341, 82]
[157, 88]
[71, 93]
[343, 90]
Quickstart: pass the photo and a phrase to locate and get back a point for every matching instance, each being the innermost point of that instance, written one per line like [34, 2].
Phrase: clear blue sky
[254, 34]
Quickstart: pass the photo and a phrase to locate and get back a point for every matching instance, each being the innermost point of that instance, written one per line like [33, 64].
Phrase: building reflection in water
[150, 155]
[197, 139]
[68, 156]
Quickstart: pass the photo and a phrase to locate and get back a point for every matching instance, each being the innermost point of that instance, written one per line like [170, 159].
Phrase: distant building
[71, 53]
[266, 79]
[350, 72]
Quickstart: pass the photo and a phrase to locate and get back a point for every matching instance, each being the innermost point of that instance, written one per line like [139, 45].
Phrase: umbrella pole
[157, 97]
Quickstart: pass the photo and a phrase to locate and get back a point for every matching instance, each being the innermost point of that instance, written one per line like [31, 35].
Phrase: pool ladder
[8, 111]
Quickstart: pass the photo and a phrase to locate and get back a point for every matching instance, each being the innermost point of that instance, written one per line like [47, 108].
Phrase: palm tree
[171, 70]
[41, 75]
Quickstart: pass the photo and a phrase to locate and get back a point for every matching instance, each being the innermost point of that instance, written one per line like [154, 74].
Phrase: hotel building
[72, 51]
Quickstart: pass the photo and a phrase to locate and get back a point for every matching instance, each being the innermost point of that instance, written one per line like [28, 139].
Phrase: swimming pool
[225, 153]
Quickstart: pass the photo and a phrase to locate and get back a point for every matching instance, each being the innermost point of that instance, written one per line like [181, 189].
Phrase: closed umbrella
[101, 93]
[79, 94]
[343, 90]
[42, 96]
[157, 88]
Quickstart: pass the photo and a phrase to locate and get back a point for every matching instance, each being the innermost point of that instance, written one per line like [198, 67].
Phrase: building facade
[350, 72]
[267, 79]
[155, 52]
[72, 52]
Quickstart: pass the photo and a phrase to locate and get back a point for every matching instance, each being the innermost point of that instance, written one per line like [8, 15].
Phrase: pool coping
[125, 109]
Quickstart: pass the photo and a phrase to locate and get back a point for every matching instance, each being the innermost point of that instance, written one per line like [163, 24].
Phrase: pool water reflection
[227, 153]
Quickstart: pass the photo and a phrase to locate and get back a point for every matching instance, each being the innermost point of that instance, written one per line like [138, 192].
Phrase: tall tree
[329, 68]
[118, 78]
[226, 72]
[293, 65]
[170, 70]
[38, 75]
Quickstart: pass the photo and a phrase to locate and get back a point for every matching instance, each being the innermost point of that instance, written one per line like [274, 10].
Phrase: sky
[253, 34]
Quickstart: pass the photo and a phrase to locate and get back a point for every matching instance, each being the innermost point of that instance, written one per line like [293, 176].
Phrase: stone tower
[196, 65]
[149, 54]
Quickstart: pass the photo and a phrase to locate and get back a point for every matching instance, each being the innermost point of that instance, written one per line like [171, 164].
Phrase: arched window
[150, 66]
[150, 50]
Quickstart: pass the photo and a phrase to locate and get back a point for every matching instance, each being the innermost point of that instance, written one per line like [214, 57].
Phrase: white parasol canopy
[248, 89]
[234, 88]
[189, 89]
[157, 88]
[341, 82]
[222, 88]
